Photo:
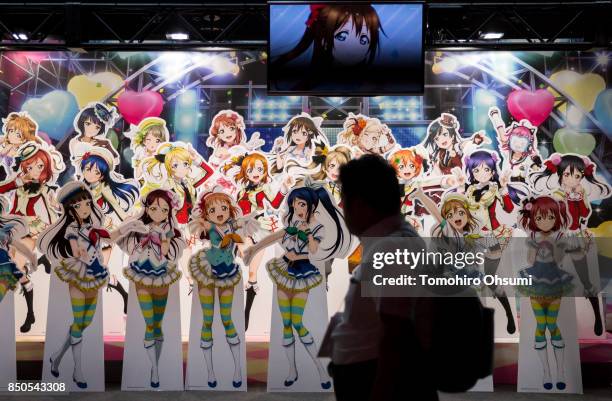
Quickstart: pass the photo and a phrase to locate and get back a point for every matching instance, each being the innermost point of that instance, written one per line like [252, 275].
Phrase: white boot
[559, 359]
[234, 344]
[543, 355]
[56, 357]
[292, 376]
[159, 344]
[207, 350]
[77, 375]
[311, 348]
[151, 353]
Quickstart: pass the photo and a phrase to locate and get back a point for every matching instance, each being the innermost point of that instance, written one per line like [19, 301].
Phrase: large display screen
[346, 48]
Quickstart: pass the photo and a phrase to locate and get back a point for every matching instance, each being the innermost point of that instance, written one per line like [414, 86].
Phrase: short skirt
[146, 274]
[296, 276]
[547, 279]
[222, 276]
[84, 277]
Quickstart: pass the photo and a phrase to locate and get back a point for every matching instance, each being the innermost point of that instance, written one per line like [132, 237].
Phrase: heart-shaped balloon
[567, 140]
[603, 111]
[532, 106]
[602, 234]
[93, 88]
[136, 106]
[583, 88]
[54, 112]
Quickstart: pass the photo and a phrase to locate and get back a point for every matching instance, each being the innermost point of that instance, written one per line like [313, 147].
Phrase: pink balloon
[532, 106]
[136, 106]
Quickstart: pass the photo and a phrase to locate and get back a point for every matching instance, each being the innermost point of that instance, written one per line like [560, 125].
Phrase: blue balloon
[603, 111]
[54, 112]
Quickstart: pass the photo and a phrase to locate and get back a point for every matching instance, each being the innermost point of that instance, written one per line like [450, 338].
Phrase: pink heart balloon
[532, 106]
[136, 106]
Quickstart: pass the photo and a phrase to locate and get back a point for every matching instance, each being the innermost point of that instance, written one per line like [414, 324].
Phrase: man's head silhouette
[370, 192]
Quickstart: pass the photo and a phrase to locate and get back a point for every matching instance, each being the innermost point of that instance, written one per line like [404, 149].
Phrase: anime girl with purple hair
[485, 190]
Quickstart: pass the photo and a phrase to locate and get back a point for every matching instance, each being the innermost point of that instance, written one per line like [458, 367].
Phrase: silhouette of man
[374, 348]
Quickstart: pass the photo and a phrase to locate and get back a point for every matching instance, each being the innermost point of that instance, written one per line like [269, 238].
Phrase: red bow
[95, 234]
[86, 155]
[315, 9]
[550, 166]
[588, 171]
[359, 125]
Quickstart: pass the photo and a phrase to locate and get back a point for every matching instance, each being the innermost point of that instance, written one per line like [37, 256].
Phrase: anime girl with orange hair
[409, 164]
[219, 220]
[18, 129]
[252, 174]
[227, 135]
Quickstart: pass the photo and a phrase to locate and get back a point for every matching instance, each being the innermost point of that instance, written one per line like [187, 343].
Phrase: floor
[258, 393]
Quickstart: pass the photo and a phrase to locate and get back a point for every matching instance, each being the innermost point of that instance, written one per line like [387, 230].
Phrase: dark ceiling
[103, 24]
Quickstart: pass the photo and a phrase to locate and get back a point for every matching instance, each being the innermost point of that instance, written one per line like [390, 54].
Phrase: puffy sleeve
[71, 232]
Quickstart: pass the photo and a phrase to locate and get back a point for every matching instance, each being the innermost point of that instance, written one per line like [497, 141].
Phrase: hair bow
[550, 166]
[589, 170]
[315, 10]
[359, 125]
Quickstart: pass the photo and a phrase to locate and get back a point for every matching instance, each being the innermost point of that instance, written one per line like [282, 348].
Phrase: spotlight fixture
[177, 36]
[491, 35]
[20, 36]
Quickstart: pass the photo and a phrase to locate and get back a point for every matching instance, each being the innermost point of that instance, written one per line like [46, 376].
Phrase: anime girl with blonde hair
[178, 167]
[366, 135]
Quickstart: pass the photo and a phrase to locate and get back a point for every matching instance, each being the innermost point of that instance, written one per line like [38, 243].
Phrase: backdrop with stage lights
[567, 95]
[187, 89]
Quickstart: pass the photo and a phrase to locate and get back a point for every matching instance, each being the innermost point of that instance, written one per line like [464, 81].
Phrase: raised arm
[429, 204]
[498, 124]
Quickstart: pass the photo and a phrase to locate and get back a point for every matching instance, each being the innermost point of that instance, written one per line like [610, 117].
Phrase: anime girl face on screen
[341, 44]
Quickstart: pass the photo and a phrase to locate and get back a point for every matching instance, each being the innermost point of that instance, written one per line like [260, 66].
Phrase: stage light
[20, 36]
[177, 36]
[491, 35]
[602, 58]
[502, 63]
[485, 98]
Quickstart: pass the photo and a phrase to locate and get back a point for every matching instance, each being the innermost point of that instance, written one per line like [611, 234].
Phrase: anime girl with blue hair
[114, 195]
[314, 230]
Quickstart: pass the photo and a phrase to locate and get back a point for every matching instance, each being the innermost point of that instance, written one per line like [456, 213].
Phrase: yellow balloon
[603, 236]
[583, 88]
[93, 88]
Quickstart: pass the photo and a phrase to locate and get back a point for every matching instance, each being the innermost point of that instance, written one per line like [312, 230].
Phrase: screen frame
[419, 92]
